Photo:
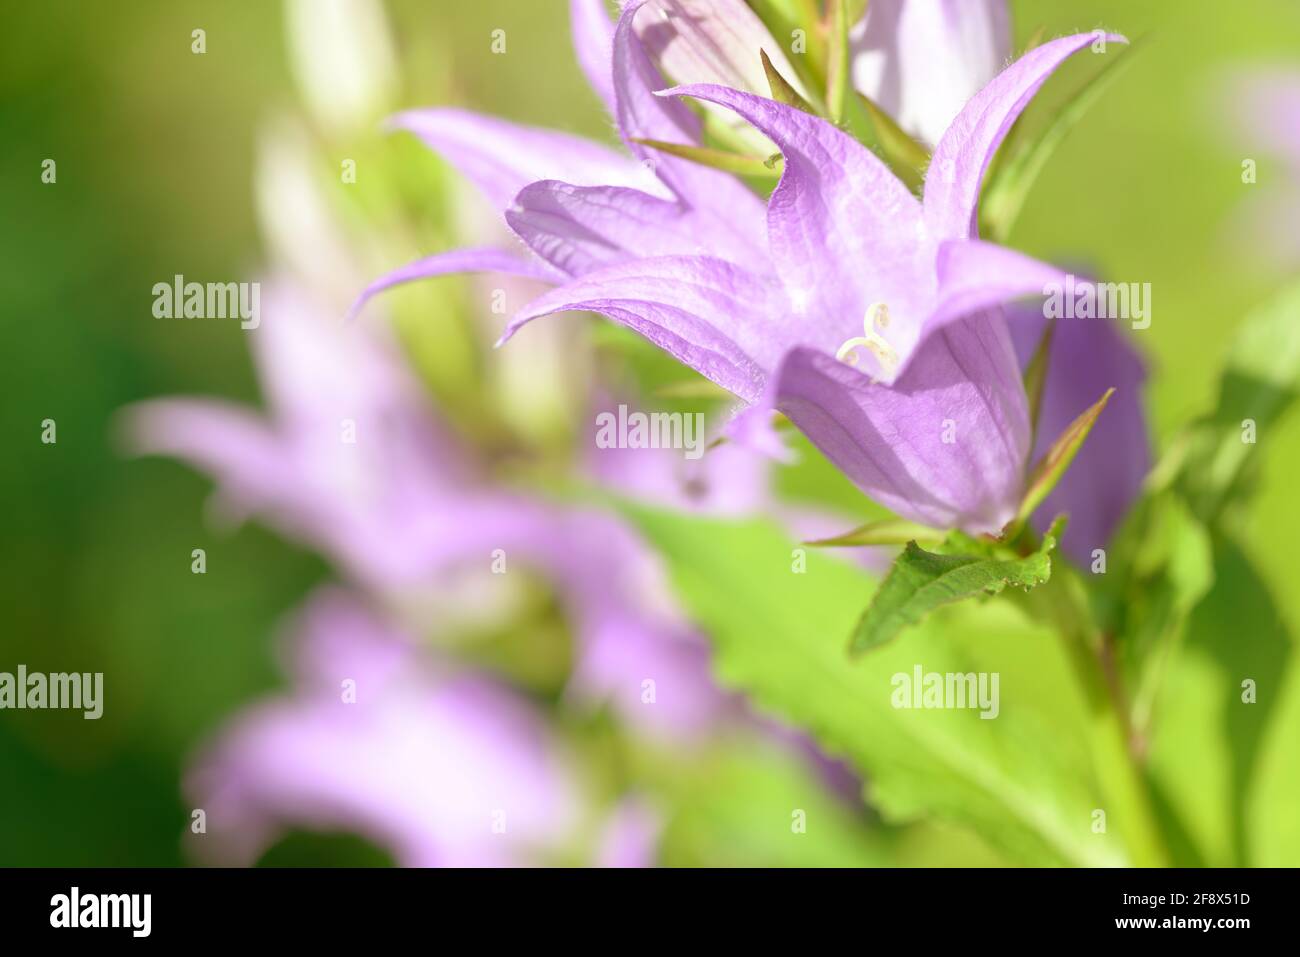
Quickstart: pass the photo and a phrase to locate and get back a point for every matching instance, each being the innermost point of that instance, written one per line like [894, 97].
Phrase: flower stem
[1124, 787]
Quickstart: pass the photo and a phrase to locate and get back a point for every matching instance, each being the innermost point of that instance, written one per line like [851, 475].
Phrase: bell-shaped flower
[874, 322]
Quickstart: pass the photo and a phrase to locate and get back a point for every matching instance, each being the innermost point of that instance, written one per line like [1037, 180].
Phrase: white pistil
[874, 321]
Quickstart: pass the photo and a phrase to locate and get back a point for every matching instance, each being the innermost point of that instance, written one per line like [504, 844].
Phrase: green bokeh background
[155, 150]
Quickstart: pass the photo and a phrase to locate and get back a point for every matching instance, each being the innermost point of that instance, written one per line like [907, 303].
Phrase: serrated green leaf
[1021, 782]
[892, 531]
[758, 167]
[1009, 185]
[1058, 457]
[921, 581]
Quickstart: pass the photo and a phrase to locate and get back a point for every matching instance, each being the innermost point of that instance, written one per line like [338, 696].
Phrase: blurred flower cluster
[807, 226]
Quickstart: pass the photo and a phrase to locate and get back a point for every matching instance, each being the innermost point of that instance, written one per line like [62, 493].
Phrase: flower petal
[952, 183]
[593, 42]
[643, 115]
[501, 158]
[713, 41]
[711, 315]
[945, 445]
[579, 229]
[485, 259]
[922, 62]
[975, 275]
[419, 763]
[843, 230]
[219, 438]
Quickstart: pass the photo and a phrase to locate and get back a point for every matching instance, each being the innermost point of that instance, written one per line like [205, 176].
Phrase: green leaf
[783, 18]
[734, 810]
[719, 159]
[781, 89]
[892, 531]
[1009, 185]
[1021, 782]
[921, 581]
[1057, 459]
[1260, 381]
[1220, 760]
[843, 109]
[905, 156]
[1036, 374]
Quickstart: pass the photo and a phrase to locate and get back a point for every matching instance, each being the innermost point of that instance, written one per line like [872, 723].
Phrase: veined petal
[1087, 357]
[952, 183]
[922, 62]
[501, 158]
[712, 41]
[945, 445]
[643, 115]
[709, 314]
[593, 42]
[580, 229]
[975, 275]
[843, 230]
[484, 259]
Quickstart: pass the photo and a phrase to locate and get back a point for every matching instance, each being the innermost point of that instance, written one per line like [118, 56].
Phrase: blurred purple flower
[922, 62]
[1265, 105]
[438, 768]
[352, 461]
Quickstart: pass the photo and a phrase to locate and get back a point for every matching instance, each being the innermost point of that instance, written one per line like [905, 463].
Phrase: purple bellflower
[871, 318]
[934, 424]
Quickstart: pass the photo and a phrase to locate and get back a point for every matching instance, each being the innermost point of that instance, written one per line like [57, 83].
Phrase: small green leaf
[781, 89]
[1052, 466]
[1009, 185]
[845, 111]
[905, 156]
[921, 581]
[1036, 373]
[894, 531]
[756, 166]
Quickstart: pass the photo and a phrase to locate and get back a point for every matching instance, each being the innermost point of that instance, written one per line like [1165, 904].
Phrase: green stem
[1123, 782]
